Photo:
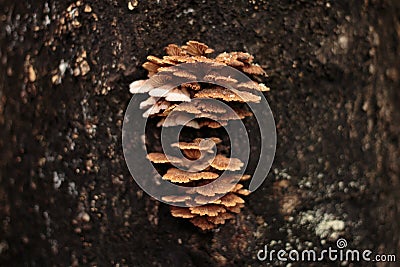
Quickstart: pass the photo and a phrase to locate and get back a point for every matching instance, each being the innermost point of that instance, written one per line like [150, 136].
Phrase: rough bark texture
[66, 196]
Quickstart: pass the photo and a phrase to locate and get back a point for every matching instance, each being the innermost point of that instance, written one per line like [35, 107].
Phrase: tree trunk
[66, 195]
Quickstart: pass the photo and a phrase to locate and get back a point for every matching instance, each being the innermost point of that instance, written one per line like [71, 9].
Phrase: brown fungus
[213, 194]
[180, 176]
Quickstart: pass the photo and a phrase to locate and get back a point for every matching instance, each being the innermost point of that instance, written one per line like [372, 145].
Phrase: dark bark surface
[66, 195]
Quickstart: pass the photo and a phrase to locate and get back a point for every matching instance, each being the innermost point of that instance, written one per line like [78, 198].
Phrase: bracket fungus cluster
[205, 106]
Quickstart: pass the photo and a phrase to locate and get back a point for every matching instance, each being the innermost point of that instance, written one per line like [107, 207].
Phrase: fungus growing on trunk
[204, 106]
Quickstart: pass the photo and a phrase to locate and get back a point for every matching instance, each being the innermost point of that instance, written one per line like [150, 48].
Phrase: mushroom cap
[236, 208]
[242, 56]
[161, 158]
[179, 58]
[196, 48]
[137, 87]
[252, 85]
[177, 120]
[149, 102]
[160, 80]
[155, 60]
[174, 50]
[178, 95]
[235, 114]
[202, 200]
[221, 218]
[243, 192]
[180, 176]
[211, 123]
[223, 163]
[176, 199]
[253, 69]
[151, 67]
[181, 212]
[202, 223]
[192, 86]
[209, 209]
[156, 108]
[185, 74]
[230, 200]
[198, 106]
[219, 92]
[192, 154]
[229, 59]
[218, 187]
[198, 143]
[237, 187]
[217, 77]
